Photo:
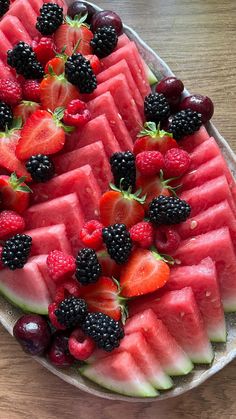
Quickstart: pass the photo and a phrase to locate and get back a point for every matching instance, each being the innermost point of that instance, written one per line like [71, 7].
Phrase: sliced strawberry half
[25, 109]
[109, 266]
[43, 133]
[56, 91]
[75, 35]
[56, 65]
[151, 138]
[104, 297]
[14, 193]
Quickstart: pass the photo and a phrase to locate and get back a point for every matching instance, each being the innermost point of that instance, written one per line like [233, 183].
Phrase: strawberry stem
[161, 256]
[128, 194]
[17, 184]
[152, 130]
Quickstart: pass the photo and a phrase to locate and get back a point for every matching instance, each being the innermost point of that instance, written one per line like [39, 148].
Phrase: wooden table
[197, 40]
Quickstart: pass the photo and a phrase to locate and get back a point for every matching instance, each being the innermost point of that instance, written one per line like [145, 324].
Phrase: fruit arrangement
[117, 209]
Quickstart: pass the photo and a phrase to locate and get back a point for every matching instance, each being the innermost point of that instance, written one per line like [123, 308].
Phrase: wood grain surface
[197, 39]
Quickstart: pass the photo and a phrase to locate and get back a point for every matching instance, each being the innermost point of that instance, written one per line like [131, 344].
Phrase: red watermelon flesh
[204, 152]
[191, 141]
[120, 374]
[122, 68]
[64, 210]
[98, 129]
[217, 216]
[202, 278]
[92, 154]
[81, 181]
[216, 244]
[105, 104]
[207, 171]
[5, 72]
[41, 262]
[122, 41]
[179, 312]
[131, 54]
[123, 98]
[5, 45]
[28, 290]
[46, 239]
[172, 358]
[26, 14]
[36, 4]
[14, 30]
[210, 193]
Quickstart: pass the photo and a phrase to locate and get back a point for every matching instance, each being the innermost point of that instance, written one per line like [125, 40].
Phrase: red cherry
[201, 104]
[172, 88]
[58, 353]
[107, 18]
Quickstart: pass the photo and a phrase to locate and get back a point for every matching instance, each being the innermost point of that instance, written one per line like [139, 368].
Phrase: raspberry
[76, 114]
[149, 163]
[45, 50]
[60, 265]
[1, 264]
[67, 289]
[53, 318]
[10, 223]
[91, 234]
[176, 162]
[142, 234]
[166, 239]
[31, 90]
[10, 92]
[81, 346]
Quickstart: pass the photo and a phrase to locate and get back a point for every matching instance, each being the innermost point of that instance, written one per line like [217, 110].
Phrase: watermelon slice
[210, 193]
[23, 10]
[179, 312]
[64, 210]
[26, 290]
[216, 244]
[123, 97]
[36, 4]
[121, 374]
[189, 142]
[92, 154]
[41, 262]
[81, 181]
[98, 129]
[5, 72]
[105, 104]
[220, 215]
[122, 68]
[46, 239]
[14, 31]
[204, 152]
[172, 358]
[5, 45]
[202, 278]
[130, 53]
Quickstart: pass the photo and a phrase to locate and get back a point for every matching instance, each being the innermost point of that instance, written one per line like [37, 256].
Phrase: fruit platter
[117, 207]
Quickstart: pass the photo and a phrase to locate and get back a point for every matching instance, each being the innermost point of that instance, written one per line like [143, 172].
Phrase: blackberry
[104, 41]
[88, 269]
[40, 167]
[51, 17]
[78, 71]
[71, 312]
[6, 116]
[168, 210]
[4, 7]
[185, 122]
[23, 59]
[16, 251]
[156, 107]
[105, 331]
[123, 168]
[118, 242]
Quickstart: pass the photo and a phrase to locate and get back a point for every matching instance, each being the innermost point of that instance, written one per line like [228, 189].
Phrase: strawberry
[145, 272]
[75, 35]
[56, 65]
[121, 207]
[43, 133]
[95, 63]
[14, 193]
[8, 143]
[151, 138]
[109, 266]
[103, 297]
[25, 109]
[56, 91]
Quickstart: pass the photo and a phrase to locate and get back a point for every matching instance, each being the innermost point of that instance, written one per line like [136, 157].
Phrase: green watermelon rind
[181, 367]
[218, 335]
[24, 306]
[150, 75]
[133, 390]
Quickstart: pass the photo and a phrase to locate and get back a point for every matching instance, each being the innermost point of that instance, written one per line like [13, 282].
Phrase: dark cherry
[79, 7]
[106, 18]
[33, 334]
[58, 353]
[201, 104]
[172, 88]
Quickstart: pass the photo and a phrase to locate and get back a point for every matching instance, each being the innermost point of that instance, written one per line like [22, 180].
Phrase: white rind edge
[224, 353]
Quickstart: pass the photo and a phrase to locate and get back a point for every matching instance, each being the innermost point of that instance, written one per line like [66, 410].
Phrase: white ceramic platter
[224, 353]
